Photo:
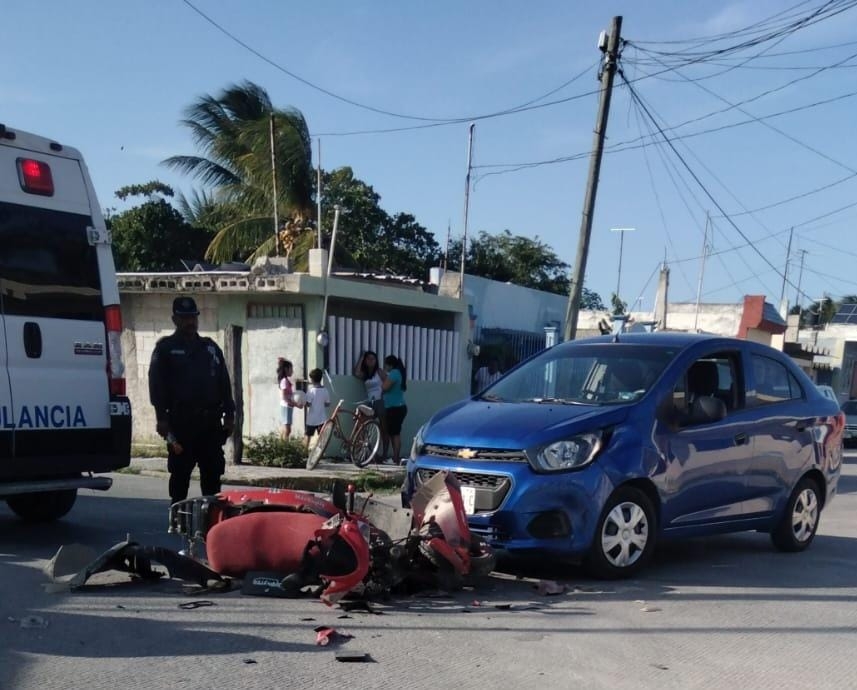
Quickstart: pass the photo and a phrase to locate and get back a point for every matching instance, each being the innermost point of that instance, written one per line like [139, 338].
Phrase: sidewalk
[318, 479]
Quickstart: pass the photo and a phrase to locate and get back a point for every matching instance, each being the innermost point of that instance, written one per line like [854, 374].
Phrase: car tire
[625, 535]
[45, 506]
[799, 522]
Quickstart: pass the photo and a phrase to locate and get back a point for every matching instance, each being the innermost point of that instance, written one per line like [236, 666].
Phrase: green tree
[368, 238]
[232, 132]
[153, 236]
[619, 307]
[524, 261]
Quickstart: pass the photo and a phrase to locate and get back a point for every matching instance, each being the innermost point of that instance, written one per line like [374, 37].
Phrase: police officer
[190, 391]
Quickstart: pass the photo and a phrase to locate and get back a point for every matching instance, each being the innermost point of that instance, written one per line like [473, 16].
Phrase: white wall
[146, 319]
[272, 331]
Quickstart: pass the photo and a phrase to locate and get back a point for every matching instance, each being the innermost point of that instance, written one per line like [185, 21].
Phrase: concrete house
[267, 313]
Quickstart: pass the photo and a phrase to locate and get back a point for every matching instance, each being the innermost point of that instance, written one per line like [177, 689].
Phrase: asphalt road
[723, 612]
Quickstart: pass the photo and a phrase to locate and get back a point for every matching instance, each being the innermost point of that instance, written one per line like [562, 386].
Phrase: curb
[320, 483]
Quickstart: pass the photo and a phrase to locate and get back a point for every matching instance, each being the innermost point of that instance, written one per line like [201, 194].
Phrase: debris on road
[198, 604]
[249, 661]
[550, 588]
[326, 635]
[129, 557]
[33, 622]
[361, 606]
[353, 656]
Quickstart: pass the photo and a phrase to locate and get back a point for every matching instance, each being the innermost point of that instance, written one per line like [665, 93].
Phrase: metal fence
[430, 354]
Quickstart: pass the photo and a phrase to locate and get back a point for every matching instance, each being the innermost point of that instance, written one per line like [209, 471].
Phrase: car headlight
[568, 454]
[418, 446]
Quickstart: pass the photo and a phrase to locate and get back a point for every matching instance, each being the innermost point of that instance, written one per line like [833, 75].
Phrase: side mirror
[706, 410]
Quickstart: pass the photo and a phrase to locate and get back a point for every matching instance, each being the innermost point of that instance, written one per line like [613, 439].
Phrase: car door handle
[32, 340]
[741, 439]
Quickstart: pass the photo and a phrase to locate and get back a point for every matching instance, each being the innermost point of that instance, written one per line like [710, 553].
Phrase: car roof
[662, 338]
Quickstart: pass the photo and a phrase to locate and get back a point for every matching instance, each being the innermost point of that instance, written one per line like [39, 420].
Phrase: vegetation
[272, 451]
[153, 236]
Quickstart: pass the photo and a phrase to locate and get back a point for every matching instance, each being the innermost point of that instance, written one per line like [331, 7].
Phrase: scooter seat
[261, 541]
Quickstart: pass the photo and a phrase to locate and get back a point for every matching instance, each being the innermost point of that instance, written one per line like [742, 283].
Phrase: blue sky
[112, 79]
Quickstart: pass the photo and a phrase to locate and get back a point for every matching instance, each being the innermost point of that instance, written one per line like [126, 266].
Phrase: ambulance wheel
[45, 506]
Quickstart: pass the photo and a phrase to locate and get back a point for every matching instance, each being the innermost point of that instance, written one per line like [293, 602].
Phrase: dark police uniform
[189, 387]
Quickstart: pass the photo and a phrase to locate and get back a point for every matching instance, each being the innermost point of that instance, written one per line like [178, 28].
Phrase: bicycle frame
[362, 416]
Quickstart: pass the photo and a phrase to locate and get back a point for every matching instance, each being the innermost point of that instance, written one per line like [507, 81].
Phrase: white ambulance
[64, 414]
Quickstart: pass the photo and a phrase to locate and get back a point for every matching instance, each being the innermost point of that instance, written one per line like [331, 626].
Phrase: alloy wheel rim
[805, 515]
[625, 534]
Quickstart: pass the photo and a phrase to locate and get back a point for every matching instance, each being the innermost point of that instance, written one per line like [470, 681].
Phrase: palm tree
[232, 132]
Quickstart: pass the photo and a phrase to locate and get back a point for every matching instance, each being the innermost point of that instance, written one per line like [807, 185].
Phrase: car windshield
[594, 374]
[850, 407]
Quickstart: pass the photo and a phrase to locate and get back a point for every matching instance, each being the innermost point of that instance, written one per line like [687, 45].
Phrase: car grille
[491, 489]
[492, 535]
[461, 453]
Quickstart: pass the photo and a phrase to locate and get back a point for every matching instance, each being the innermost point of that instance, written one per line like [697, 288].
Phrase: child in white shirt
[316, 404]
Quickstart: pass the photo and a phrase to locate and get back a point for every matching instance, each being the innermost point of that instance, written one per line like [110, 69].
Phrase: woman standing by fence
[394, 384]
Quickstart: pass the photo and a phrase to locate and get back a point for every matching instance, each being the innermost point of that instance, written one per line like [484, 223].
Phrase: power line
[670, 168]
[382, 111]
[770, 126]
[658, 201]
[640, 142]
[702, 186]
[716, 37]
[826, 11]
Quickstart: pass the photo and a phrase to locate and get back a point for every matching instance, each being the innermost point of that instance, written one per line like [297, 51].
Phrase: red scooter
[332, 547]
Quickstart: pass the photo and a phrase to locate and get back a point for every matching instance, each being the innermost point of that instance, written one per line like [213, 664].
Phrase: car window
[597, 374]
[774, 382]
[850, 407]
[715, 375]
[48, 268]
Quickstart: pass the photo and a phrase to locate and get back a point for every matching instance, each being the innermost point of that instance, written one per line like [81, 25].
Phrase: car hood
[482, 424]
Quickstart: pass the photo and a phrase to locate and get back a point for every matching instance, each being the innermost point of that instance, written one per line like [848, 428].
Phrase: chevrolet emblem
[466, 453]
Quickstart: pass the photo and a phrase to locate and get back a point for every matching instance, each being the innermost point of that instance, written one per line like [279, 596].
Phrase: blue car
[595, 449]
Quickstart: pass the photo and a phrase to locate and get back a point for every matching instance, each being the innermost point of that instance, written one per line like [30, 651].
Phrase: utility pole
[786, 271]
[274, 183]
[318, 197]
[466, 204]
[446, 250]
[705, 250]
[608, 71]
[800, 279]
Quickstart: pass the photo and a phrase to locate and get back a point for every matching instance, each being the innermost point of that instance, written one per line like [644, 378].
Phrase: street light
[621, 232]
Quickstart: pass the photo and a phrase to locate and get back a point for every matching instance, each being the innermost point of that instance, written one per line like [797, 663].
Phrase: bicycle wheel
[365, 443]
[317, 453]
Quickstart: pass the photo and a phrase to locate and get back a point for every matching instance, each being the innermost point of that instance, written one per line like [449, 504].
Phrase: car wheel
[624, 537]
[797, 527]
[45, 506]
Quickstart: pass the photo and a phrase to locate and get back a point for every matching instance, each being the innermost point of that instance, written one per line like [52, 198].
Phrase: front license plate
[468, 495]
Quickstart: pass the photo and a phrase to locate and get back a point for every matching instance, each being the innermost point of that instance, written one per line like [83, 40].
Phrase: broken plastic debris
[325, 635]
[249, 661]
[33, 622]
[359, 605]
[549, 588]
[649, 609]
[353, 656]
[660, 666]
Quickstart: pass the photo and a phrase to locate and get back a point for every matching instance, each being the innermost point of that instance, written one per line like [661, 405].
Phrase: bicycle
[361, 445]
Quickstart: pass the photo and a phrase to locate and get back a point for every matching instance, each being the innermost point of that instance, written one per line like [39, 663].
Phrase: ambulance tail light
[115, 363]
[35, 177]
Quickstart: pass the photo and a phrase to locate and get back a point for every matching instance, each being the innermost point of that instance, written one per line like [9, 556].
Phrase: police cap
[184, 306]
